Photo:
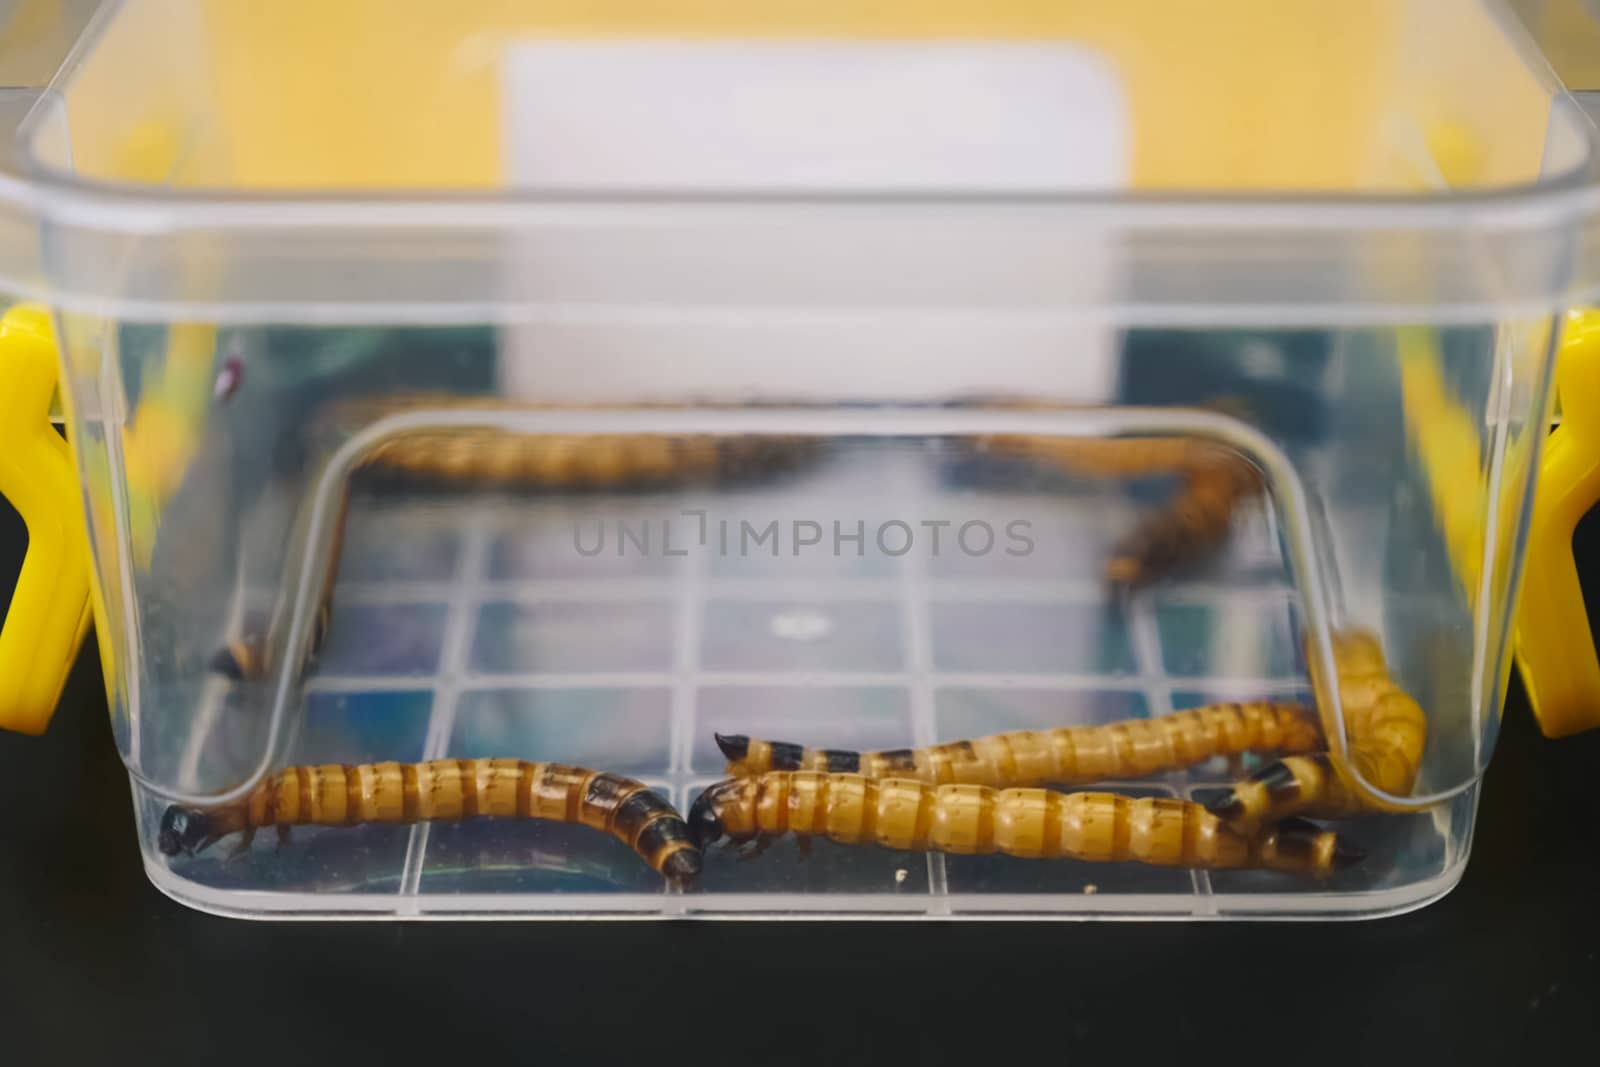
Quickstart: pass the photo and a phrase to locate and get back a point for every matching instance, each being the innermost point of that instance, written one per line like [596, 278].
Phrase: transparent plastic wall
[890, 585]
[318, 378]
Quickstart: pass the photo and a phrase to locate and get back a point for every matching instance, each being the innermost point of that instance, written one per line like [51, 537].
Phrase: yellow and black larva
[493, 458]
[498, 458]
[595, 461]
[247, 659]
[241, 660]
[1133, 748]
[342, 795]
[1196, 523]
[899, 813]
[1386, 732]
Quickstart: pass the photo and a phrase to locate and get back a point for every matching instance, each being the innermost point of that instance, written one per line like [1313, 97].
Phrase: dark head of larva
[183, 830]
[705, 822]
[682, 867]
[708, 816]
[226, 662]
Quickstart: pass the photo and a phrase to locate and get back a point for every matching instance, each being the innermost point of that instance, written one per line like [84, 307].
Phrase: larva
[1133, 748]
[490, 458]
[341, 795]
[242, 659]
[598, 461]
[1386, 731]
[1194, 525]
[900, 813]
[499, 458]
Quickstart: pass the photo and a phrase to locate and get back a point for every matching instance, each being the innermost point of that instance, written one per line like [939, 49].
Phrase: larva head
[233, 662]
[185, 831]
[682, 867]
[720, 812]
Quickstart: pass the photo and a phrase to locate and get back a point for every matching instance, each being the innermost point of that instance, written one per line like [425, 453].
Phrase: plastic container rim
[64, 197]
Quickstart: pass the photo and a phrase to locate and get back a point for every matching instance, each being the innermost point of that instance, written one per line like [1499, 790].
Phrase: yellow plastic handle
[1554, 645]
[50, 609]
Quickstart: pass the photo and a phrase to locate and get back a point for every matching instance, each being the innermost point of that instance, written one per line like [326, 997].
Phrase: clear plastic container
[615, 379]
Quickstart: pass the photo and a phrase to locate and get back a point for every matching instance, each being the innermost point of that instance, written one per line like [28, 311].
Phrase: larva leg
[244, 844]
[756, 846]
[284, 830]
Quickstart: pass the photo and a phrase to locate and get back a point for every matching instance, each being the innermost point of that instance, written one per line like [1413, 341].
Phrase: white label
[668, 116]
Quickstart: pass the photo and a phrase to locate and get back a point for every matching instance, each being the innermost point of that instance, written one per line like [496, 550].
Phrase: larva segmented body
[597, 461]
[507, 459]
[242, 659]
[1105, 457]
[899, 813]
[1386, 732]
[493, 458]
[1134, 748]
[1191, 527]
[342, 795]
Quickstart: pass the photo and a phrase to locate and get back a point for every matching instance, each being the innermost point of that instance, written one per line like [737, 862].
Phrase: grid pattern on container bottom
[624, 632]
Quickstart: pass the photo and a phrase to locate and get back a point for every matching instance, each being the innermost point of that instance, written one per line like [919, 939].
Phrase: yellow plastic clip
[1555, 646]
[50, 609]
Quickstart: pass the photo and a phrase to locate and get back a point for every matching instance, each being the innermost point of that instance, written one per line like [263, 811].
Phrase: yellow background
[1232, 94]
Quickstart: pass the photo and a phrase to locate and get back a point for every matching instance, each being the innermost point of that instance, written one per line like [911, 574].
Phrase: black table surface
[95, 963]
